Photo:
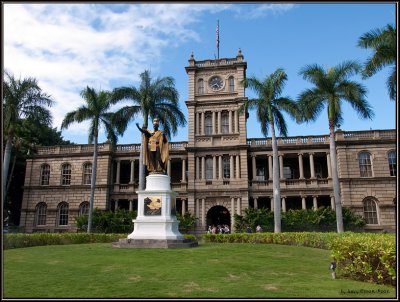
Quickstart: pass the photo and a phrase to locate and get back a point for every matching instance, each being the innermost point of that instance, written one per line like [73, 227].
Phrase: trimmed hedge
[366, 257]
[360, 256]
[18, 240]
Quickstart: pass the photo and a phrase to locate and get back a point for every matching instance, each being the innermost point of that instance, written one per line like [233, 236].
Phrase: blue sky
[67, 47]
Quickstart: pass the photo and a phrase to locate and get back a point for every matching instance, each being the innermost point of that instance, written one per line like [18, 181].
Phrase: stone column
[333, 202]
[328, 162]
[272, 203]
[183, 170]
[116, 204]
[198, 210]
[253, 166]
[235, 116]
[231, 168]
[301, 167]
[283, 204]
[118, 171]
[203, 212]
[197, 123]
[183, 206]
[214, 167]
[130, 205]
[202, 123]
[169, 167]
[203, 167]
[132, 174]
[213, 121]
[303, 202]
[230, 121]
[269, 167]
[197, 167]
[220, 167]
[255, 203]
[312, 165]
[237, 166]
[315, 204]
[219, 122]
[238, 209]
[281, 166]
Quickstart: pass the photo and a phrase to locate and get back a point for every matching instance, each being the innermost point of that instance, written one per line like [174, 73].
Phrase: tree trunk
[276, 187]
[335, 179]
[92, 185]
[6, 164]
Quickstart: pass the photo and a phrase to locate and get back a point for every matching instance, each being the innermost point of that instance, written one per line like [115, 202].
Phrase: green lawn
[208, 271]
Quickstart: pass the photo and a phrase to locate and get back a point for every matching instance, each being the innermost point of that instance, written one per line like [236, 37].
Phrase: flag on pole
[217, 33]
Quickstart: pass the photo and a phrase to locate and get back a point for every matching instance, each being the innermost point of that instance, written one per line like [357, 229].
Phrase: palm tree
[268, 107]
[96, 111]
[331, 87]
[383, 43]
[154, 98]
[21, 99]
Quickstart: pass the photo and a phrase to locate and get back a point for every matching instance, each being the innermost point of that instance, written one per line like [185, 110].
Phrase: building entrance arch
[218, 215]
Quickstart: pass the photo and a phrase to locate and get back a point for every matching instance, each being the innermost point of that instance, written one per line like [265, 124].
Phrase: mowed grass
[208, 271]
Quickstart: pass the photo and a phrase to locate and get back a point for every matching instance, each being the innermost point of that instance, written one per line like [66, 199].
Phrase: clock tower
[217, 141]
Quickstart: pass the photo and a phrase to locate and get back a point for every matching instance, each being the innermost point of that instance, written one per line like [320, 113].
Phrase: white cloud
[67, 47]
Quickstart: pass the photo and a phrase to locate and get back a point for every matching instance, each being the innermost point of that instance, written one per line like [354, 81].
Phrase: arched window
[200, 86]
[225, 122]
[84, 208]
[392, 163]
[231, 84]
[209, 168]
[87, 173]
[41, 212]
[62, 214]
[226, 166]
[370, 212]
[66, 174]
[208, 123]
[364, 160]
[45, 175]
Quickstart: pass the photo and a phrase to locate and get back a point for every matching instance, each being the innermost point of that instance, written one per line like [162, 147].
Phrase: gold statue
[155, 149]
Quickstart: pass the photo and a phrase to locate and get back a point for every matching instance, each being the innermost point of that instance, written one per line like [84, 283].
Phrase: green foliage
[186, 221]
[321, 220]
[20, 240]
[119, 221]
[366, 257]
[360, 256]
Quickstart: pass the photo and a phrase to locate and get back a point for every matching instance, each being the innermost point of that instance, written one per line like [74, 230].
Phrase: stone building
[219, 171]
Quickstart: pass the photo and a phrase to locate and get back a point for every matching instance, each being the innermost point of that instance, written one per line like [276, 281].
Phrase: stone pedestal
[156, 225]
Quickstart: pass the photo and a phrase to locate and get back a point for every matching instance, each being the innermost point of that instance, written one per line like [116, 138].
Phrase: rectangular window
[225, 122]
[226, 166]
[208, 124]
[209, 168]
[87, 174]
[45, 177]
[365, 164]
[392, 163]
[66, 175]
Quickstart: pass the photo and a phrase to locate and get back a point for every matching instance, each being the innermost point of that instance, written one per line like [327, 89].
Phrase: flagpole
[218, 38]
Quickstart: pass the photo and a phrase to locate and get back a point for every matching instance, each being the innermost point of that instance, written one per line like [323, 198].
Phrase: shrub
[186, 221]
[366, 257]
[119, 221]
[321, 220]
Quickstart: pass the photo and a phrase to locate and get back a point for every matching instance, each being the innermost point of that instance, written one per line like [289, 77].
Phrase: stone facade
[219, 171]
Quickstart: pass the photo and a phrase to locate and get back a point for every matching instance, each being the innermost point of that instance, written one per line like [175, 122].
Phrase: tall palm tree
[331, 87]
[154, 98]
[21, 99]
[96, 111]
[383, 43]
[268, 107]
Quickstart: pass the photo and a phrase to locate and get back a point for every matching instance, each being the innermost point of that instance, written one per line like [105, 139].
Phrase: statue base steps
[155, 243]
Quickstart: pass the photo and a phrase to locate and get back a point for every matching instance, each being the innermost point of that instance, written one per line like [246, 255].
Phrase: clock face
[215, 83]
